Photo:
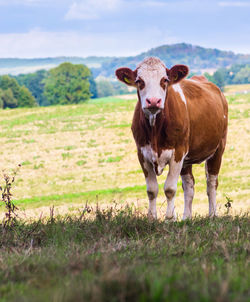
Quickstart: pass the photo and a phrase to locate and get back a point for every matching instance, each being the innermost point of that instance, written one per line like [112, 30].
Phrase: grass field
[77, 155]
[80, 153]
[121, 256]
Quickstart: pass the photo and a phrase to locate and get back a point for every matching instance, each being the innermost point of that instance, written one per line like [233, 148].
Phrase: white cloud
[234, 4]
[91, 9]
[37, 43]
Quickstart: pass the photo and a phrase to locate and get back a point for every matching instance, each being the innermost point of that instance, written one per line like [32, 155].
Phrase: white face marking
[158, 163]
[177, 88]
[151, 71]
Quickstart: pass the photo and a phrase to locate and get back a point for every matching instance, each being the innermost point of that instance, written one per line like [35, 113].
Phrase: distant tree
[104, 88]
[25, 98]
[218, 77]
[13, 95]
[242, 76]
[120, 88]
[92, 86]
[35, 83]
[7, 99]
[67, 84]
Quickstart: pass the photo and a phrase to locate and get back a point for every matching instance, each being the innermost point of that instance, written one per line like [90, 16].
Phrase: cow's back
[207, 110]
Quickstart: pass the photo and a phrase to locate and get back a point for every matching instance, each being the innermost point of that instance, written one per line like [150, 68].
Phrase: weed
[81, 162]
[114, 159]
[10, 213]
[67, 155]
[38, 166]
[228, 204]
[26, 163]
[68, 148]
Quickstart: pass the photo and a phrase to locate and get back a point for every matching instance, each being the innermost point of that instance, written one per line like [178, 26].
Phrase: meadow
[71, 155]
[81, 231]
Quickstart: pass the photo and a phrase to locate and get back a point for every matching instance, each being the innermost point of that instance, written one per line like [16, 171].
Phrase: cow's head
[152, 78]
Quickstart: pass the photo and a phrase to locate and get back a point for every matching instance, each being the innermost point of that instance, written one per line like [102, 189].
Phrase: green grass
[69, 151]
[85, 153]
[119, 255]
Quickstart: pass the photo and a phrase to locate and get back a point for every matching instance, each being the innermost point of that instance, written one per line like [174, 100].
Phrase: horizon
[121, 28]
[85, 57]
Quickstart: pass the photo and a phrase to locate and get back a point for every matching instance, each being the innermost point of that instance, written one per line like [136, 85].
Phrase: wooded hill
[196, 57]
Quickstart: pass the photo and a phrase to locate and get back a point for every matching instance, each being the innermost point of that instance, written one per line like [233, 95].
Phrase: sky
[49, 28]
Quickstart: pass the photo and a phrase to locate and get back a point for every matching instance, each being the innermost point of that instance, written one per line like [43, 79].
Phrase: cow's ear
[177, 73]
[126, 75]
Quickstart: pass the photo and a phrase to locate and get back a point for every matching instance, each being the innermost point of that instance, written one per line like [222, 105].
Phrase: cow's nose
[153, 102]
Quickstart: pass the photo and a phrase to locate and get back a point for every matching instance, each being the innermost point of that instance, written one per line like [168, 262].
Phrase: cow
[177, 122]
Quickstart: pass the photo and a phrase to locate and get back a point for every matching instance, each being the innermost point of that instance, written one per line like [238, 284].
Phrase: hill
[196, 57]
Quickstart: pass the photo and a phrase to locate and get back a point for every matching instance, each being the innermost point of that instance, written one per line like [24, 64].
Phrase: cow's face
[152, 78]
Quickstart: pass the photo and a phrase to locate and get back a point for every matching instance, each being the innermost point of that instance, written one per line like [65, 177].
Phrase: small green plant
[81, 162]
[114, 159]
[228, 204]
[26, 163]
[66, 155]
[10, 213]
[68, 148]
[36, 167]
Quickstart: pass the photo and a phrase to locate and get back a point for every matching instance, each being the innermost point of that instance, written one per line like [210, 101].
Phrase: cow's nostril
[148, 101]
[159, 101]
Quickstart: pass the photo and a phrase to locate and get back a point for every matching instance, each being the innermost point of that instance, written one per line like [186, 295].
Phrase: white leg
[152, 190]
[170, 186]
[212, 183]
[188, 188]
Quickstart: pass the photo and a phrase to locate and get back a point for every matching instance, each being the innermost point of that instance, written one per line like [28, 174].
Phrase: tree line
[74, 83]
[236, 74]
[66, 84]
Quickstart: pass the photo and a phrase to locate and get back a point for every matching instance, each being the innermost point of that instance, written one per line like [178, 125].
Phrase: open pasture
[76, 154]
[71, 155]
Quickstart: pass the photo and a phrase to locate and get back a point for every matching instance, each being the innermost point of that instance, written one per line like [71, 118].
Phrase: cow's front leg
[152, 185]
[170, 186]
[152, 191]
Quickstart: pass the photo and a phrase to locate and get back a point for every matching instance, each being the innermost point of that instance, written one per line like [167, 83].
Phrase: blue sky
[42, 28]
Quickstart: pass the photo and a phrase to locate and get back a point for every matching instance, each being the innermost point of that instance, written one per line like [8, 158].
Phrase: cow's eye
[140, 83]
[166, 80]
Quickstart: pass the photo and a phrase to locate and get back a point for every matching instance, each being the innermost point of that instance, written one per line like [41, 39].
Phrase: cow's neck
[144, 134]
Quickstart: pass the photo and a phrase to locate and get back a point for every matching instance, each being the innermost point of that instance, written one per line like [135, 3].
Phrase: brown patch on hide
[207, 110]
[199, 78]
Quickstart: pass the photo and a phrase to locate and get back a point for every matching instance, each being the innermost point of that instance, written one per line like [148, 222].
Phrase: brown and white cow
[178, 123]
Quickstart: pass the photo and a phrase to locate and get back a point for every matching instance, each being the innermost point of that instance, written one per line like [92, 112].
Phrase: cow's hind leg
[188, 188]
[212, 170]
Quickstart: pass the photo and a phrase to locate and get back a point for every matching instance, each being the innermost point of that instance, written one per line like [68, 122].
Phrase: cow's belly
[199, 157]
[157, 162]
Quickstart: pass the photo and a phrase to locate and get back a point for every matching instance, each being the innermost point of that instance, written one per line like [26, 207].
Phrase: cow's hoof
[151, 216]
[170, 218]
